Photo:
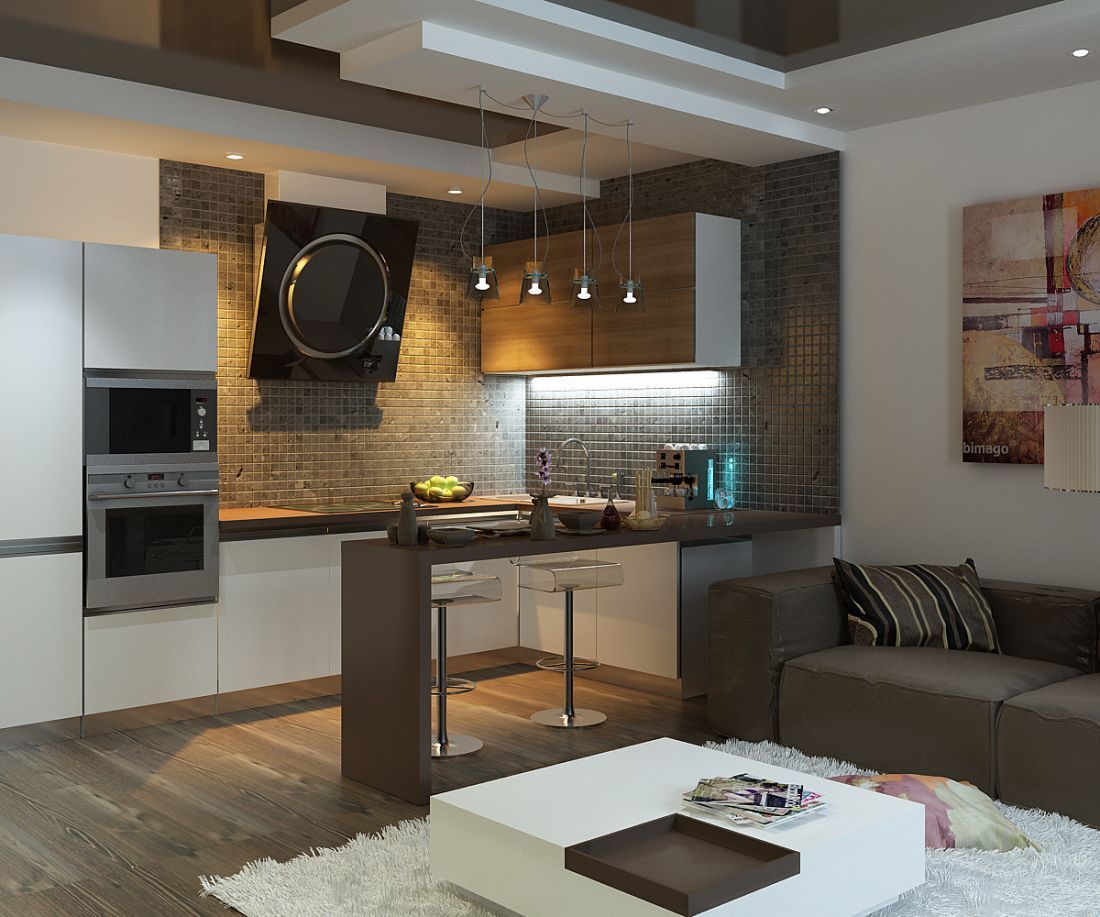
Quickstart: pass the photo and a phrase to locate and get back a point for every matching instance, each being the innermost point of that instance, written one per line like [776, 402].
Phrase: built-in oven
[149, 418]
[151, 537]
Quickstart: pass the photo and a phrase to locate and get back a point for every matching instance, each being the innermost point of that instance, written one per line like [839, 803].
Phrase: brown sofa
[1024, 724]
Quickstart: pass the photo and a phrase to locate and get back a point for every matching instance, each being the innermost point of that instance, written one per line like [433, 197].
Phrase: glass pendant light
[630, 284]
[483, 279]
[536, 282]
[585, 287]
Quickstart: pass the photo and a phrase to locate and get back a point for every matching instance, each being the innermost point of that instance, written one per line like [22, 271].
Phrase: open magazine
[750, 801]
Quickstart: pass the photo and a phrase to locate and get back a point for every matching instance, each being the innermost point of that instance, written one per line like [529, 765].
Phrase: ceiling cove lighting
[536, 282]
[663, 381]
[585, 287]
[630, 284]
[1080, 52]
[236, 157]
[483, 278]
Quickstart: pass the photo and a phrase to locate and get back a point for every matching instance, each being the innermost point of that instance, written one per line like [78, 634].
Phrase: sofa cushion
[906, 709]
[917, 605]
[955, 814]
[1048, 746]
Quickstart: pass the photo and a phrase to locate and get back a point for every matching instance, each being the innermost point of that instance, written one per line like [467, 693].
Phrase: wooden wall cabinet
[690, 266]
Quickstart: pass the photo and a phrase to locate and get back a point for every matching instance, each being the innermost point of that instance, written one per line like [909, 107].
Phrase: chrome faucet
[573, 440]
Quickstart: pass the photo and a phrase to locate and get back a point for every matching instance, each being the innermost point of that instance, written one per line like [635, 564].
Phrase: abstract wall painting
[1031, 319]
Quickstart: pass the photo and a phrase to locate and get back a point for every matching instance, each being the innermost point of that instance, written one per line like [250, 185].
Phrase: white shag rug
[388, 873]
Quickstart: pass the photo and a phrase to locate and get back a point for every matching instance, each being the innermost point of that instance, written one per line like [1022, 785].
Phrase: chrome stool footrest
[557, 663]
[454, 686]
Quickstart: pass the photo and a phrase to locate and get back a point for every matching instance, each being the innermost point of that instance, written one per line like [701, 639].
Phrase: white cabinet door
[41, 377]
[489, 626]
[542, 618]
[40, 638]
[638, 622]
[275, 614]
[136, 658]
[150, 309]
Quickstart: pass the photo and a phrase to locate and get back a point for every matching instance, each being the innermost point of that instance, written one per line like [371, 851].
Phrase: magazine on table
[752, 801]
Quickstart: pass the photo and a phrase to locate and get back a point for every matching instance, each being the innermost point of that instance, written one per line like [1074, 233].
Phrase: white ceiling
[96, 112]
[683, 97]
[685, 101]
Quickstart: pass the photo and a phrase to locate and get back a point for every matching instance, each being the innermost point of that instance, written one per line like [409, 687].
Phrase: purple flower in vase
[543, 467]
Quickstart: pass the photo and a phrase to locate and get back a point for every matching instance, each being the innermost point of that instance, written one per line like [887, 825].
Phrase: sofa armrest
[1051, 623]
[756, 625]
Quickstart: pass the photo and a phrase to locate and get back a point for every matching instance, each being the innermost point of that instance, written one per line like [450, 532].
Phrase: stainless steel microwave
[139, 419]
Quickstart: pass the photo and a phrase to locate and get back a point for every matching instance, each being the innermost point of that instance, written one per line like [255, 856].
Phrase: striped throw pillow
[917, 605]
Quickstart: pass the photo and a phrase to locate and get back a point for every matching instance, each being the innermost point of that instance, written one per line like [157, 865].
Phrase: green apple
[458, 491]
[451, 480]
[437, 492]
[437, 480]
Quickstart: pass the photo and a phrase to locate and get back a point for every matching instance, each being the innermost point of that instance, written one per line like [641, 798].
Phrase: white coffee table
[503, 842]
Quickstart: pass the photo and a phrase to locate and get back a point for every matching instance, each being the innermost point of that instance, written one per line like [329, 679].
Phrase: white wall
[66, 192]
[906, 495]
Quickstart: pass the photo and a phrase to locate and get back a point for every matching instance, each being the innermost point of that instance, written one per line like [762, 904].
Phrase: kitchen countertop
[273, 522]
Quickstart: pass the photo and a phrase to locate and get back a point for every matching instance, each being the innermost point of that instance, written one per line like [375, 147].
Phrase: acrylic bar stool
[568, 575]
[454, 587]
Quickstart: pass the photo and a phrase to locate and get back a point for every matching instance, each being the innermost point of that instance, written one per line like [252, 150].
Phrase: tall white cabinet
[40, 480]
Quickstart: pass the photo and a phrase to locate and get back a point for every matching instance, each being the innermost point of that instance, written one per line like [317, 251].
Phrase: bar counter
[386, 631]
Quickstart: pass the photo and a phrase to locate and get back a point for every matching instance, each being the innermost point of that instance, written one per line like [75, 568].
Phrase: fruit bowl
[649, 524]
[442, 493]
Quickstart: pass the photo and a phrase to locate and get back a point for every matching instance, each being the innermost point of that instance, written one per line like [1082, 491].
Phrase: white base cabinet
[40, 649]
[275, 620]
[137, 658]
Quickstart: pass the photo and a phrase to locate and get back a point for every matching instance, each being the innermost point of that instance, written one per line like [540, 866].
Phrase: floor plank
[125, 823]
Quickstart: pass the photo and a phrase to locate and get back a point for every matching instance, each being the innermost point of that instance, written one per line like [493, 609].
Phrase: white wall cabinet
[136, 658]
[150, 309]
[41, 413]
[40, 638]
[275, 612]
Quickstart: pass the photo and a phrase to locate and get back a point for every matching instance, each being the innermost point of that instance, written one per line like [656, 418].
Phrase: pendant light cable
[485, 184]
[532, 128]
[628, 219]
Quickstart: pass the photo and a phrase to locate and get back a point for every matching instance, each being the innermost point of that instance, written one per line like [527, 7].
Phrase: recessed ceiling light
[234, 156]
[823, 110]
[1080, 52]
[454, 189]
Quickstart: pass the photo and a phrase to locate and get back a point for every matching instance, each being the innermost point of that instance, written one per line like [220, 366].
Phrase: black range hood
[330, 281]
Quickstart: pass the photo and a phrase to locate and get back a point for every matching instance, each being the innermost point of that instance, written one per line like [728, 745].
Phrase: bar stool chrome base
[563, 720]
[454, 686]
[456, 747]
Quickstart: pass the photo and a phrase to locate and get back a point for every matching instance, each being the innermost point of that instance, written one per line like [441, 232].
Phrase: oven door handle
[155, 496]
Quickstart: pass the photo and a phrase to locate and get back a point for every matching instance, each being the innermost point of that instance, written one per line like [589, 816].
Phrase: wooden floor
[125, 823]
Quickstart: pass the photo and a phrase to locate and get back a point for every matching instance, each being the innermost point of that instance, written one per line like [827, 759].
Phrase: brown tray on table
[682, 864]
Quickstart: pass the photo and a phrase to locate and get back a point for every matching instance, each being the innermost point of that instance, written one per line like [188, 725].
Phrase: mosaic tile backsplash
[775, 419]
[290, 442]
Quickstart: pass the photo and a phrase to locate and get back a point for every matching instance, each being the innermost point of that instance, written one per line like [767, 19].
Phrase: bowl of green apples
[441, 488]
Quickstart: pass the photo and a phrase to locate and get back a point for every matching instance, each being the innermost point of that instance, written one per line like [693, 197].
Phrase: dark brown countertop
[699, 525]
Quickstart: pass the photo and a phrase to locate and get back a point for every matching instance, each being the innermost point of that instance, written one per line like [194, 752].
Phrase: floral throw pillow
[955, 814]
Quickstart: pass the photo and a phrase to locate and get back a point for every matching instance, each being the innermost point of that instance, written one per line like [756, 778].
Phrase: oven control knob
[201, 412]
[128, 481]
[182, 480]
